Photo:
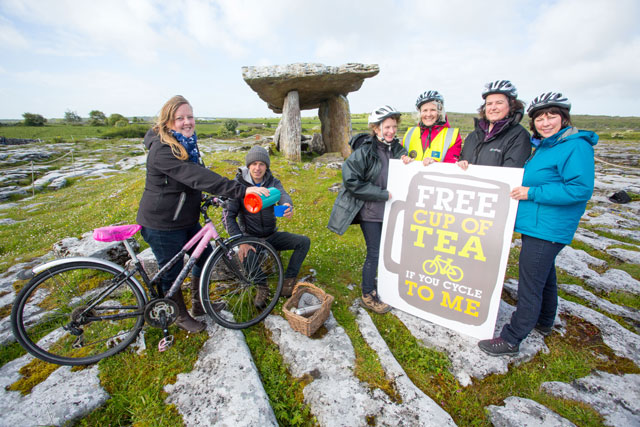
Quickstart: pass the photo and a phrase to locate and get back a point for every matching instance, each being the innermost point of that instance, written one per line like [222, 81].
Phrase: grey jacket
[238, 220]
[359, 174]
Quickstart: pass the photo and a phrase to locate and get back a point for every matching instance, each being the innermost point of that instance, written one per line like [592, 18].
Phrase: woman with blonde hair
[169, 210]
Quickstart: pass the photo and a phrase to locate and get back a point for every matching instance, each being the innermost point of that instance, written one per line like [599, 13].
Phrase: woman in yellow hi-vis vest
[433, 140]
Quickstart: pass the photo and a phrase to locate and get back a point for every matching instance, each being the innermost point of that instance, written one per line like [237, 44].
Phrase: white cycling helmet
[548, 99]
[504, 87]
[428, 96]
[383, 112]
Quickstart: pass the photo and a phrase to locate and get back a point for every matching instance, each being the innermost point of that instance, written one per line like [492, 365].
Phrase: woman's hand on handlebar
[261, 191]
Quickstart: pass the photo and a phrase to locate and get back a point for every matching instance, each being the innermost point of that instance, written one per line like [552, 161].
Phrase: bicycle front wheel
[77, 313]
[239, 291]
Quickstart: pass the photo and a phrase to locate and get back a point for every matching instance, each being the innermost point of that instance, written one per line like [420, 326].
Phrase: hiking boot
[262, 296]
[498, 347]
[196, 305]
[287, 286]
[184, 320]
[372, 302]
[545, 331]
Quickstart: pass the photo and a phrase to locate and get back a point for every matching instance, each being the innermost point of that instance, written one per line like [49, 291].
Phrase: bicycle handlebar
[216, 201]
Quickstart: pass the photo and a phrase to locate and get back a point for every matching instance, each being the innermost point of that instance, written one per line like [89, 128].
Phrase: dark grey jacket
[173, 188]
[260, 224]
[510, 147]
[359, 174]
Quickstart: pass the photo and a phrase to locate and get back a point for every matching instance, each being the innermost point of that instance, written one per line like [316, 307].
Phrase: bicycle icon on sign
[442, 266]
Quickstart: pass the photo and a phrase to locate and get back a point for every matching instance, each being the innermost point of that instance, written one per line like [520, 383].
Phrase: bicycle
[442, 266]
[77, 311]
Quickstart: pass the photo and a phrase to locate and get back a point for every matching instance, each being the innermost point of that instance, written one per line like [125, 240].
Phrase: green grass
[135, 382]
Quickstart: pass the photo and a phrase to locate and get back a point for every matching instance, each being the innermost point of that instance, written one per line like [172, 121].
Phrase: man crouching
[238, 220]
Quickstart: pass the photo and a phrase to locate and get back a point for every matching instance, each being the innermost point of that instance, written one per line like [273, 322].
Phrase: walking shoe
[287, 286]
[262, 296]
[543, 330]
[372, 302]
[498, 347]
[184, 320]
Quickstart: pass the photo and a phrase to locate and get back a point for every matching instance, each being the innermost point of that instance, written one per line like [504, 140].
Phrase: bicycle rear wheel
[235, 283]
[77, 313]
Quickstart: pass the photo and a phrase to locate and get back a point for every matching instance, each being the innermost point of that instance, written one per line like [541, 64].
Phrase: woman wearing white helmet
[498, 139]
[364, 192]
[556, 186]
[433, 140]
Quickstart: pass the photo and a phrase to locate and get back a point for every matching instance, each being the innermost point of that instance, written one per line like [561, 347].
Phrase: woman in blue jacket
[557, 183]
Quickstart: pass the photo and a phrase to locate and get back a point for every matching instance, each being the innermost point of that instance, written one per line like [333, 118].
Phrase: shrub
[121, 123]
[115, 118]
[127, 132]
[231, 125]
[31, 119]
[72, 117]
[97, 118]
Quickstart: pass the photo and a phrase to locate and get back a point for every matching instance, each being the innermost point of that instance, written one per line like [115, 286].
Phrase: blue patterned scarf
[189, 144]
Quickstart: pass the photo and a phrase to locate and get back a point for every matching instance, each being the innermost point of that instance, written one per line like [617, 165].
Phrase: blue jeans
[283, 241]
[372, 232]
[166, 244]
[537, 289]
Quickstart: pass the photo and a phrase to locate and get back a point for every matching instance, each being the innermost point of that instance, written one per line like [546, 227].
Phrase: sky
[130, 56]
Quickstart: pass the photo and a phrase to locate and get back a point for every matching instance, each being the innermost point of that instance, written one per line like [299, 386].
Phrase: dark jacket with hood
[510, 146]
[260, 224]
[172, 190]
[364, 179]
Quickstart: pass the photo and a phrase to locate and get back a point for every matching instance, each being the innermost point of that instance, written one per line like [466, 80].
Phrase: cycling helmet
[428, 96]
[383, 112]
[548, 99]
[500, 86]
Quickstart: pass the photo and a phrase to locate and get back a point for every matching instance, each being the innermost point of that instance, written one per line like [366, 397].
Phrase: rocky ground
[224, 387]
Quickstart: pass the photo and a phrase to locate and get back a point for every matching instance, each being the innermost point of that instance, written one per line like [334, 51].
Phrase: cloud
[197, 47]
[10, 37]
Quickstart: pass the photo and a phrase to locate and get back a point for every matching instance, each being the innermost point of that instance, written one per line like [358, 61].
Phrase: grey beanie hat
[258, 154]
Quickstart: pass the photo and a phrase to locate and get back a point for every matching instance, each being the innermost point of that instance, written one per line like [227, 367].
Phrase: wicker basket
[307, 325]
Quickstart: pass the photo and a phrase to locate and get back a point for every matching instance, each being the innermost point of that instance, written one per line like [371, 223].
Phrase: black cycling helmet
[383, 112]
[428, 96]
[504, 87]
[548, 99]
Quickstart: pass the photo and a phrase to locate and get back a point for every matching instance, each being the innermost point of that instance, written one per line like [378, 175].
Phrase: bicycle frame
[202, 238]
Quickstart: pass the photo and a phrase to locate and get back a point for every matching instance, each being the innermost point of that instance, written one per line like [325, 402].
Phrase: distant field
[608, 127]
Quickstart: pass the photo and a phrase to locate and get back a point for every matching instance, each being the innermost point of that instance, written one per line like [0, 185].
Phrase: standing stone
[290, 134]
[335, 119]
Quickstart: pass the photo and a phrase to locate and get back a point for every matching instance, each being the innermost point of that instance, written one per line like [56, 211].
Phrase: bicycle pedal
[165, 343]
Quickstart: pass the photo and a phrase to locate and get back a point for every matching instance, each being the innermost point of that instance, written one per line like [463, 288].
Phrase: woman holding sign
[557, 183]
[169, 210]
[364, 192]
[498, 139]
[433, 140]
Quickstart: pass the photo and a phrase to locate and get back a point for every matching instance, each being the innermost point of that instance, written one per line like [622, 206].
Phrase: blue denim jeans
[283, 241]
[537, 289]
[372, 232]
[166, 244]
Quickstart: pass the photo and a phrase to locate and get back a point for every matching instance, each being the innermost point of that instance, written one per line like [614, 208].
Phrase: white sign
[445, 242]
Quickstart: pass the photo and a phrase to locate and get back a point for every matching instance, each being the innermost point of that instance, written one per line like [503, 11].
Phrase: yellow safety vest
[438, 148]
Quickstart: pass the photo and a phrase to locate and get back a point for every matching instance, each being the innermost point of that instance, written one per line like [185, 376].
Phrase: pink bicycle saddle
[115, 233]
